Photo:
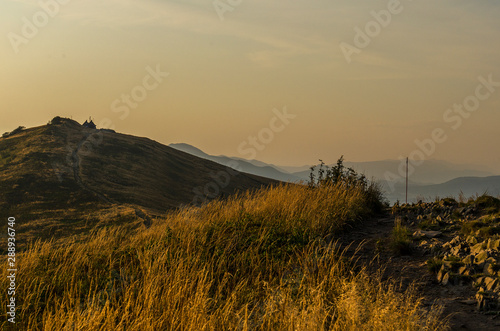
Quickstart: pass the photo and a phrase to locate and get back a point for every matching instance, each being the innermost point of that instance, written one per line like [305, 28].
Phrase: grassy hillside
[258, 261]
[53, 174]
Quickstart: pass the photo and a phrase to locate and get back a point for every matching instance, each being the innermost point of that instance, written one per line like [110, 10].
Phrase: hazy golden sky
[231, 62]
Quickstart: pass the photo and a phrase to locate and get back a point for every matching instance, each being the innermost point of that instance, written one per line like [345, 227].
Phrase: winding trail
[367, 243]
[76, 173]
[77, 169]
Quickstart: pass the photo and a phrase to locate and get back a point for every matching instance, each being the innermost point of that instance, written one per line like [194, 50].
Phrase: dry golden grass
[258, 261]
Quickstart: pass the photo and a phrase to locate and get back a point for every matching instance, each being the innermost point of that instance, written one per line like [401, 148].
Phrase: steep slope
[64, 166]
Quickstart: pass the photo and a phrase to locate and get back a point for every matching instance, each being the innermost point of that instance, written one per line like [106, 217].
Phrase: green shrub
[16, 131]
[434, 264]
[484, 227]
[400, 239]
[487, 204]
[348, 177]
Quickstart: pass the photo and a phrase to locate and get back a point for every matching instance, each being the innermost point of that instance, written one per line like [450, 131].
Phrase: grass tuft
[401, 239]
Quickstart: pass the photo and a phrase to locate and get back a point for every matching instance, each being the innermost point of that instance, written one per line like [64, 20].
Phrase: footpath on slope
[77, 170]
[465, 275]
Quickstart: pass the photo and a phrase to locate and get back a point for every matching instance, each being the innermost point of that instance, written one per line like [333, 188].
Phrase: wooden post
[406, 180]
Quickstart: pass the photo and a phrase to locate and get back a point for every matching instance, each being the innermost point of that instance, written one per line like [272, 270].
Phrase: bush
[400, 239]
[434, 265]
[483, 227]
[56, 120]
[348, 177]
[487, 204]
[16, 131]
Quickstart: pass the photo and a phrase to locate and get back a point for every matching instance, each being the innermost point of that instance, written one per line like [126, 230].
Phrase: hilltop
[64, 170]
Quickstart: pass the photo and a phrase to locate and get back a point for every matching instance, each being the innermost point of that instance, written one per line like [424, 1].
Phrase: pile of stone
[443, 211]
[465, 259]
[471, 260]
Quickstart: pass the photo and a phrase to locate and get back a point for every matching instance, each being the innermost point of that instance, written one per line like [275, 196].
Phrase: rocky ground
[448, 251]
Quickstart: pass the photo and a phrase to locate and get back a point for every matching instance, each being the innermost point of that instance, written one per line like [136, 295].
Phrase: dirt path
[77, 170]
[458, 300]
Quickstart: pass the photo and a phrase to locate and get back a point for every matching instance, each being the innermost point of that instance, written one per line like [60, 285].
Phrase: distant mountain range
[429, 172]
[430, 179]
[465, 186]
[249, 166]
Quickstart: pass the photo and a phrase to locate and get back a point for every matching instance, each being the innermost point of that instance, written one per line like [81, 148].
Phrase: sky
[286, 82]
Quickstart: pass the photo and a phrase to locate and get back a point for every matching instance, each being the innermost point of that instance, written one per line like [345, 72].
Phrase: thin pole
[406, 180]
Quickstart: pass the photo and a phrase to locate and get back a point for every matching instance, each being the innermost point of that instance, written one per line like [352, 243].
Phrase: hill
[50, 170]
[249, 166]
[468, 186]
[462, 186]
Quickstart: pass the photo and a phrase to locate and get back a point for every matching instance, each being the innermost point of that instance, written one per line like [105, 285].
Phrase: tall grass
[258, 261]
[401, 239]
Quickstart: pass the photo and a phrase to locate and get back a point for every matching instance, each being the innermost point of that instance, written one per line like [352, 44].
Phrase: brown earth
[368, 243]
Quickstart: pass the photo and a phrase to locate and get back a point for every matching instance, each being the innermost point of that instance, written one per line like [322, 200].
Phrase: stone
[478, 282]
[490, 283]
[491, 269]
[486, 268]
[446, 279]
[463, 270]
[456, 250]
[431, 234]
[493, 244]
[477, 248]
[481, 257]
[455, 240]
[423, 243]
[441, 273]
[469, 259]
[471, 240]
[480, 301]
[491, 260]
[486, 300]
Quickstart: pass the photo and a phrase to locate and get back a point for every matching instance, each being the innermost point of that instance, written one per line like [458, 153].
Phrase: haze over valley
[431, 179]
